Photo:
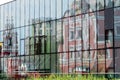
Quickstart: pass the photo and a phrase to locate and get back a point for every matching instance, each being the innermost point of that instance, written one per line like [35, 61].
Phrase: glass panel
[36, 2]
[85, 31]
[117, 27]
[85, 6]
[27, 12]
[100, 4]
[101, 60]
[53, 9]
[92, 31]
[18, 39]
[6, 18]
[59, 8]
[60, 38]
[13, 13]
[92, 5]
[109, 38]
[48, 8]
[32, 11]
[18, 11]
[116, 2]
[100, 29]
[1, 18]
[66, 7]
[22, 12]
[117, 59]
[109, 3]
[110, 63]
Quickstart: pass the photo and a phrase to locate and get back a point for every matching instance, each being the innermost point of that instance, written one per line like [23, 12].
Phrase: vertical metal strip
[56, 21]
[29, 27]
[68, 27]
[74, 16]
[96, 57]
[3, 35]
[89, 31]
[114, 47]
[62, 19]
[105, 36]
[39, 35]
[44, 35]
[50, 22]
[24, 31]
[2, 43]
[15, 5]
[34, 36]
[82, 49]
[20, 29]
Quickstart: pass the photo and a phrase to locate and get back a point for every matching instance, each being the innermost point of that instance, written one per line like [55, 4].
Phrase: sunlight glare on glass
[4, 1]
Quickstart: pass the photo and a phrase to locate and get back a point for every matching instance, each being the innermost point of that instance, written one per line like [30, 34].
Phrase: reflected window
[75, 7]
[85, 6]
[71, 48]
[71, 35]
[100, 4]
[78, 34]
[109, 3]
[109, 35]
[40, 32]
[92, 5]
[117, 30]
[116, 2]
[101, 54]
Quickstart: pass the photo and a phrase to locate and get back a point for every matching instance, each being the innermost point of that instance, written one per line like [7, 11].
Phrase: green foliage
[70, 77]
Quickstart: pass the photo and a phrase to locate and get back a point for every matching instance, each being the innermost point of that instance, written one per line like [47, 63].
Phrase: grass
[70, 77]
[65, 77]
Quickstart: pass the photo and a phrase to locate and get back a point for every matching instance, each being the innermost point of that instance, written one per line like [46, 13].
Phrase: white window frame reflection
[72, 49]
[116, 2]
[116, 29]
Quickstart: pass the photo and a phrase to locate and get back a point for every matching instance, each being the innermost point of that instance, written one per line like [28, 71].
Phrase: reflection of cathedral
[10, 46]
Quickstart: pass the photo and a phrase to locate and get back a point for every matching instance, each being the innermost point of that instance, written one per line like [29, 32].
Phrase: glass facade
[60, 36]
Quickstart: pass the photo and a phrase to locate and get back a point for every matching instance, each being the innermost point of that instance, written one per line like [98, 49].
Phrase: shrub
[68, 77]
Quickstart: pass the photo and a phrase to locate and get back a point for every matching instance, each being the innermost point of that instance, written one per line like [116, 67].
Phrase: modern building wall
[72, 33]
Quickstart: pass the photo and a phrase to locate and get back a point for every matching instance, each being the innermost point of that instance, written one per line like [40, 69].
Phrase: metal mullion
[114, 70]
[29, 44]
[56, 34]
[24, 31]
[11, 51]
[82, 52]
[75, 33]
[16, 38]
[62, 53]
[20, 28]
[39, 34]
[89, 31]
[44, 22]
[3, 35]
[105, 34]
[50, 22]
[68, 36]
[2, 43]
[34, 35]
[97, 39]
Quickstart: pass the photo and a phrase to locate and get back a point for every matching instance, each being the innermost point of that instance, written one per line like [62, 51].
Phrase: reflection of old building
[41, 38]
[10, 44]
[40, 31]
[87, 39]
[10, 47]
